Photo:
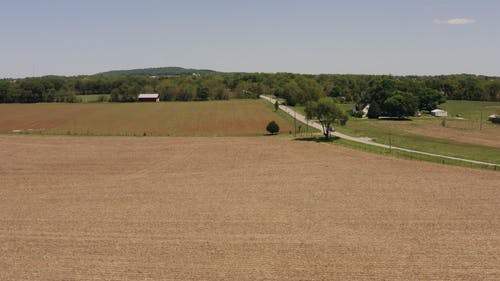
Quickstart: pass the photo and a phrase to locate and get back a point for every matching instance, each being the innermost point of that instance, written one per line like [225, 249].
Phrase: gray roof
[149, 96]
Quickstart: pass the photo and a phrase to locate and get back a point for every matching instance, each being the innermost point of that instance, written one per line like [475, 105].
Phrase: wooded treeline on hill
[158, 71]
[427, 91]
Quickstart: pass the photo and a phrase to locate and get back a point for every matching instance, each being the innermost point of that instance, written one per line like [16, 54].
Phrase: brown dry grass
[213, 118]
[238, 209]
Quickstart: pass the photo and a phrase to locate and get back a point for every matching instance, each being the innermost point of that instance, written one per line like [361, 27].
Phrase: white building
[148, 98]
[439, 113]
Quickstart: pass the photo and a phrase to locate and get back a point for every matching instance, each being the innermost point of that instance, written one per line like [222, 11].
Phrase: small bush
[273, 128]
[358, 114]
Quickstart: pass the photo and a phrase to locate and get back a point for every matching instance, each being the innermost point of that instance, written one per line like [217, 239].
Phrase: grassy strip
[400, 154]
[304, 130]
[366, 128]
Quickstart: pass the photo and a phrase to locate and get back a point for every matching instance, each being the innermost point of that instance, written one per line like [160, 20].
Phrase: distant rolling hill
[158, 71]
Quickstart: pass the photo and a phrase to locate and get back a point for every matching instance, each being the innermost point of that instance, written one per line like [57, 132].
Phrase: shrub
[358, 114]
[273, 127]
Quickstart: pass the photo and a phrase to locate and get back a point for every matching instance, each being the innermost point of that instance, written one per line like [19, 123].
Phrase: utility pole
[295, 123]
[481, 121]
[307, 127]
[390, 142]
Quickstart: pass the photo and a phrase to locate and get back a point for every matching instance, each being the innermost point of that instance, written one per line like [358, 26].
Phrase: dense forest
[158, 71]
[424, 92]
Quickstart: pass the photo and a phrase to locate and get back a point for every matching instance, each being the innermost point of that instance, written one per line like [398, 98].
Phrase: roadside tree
[327, 113]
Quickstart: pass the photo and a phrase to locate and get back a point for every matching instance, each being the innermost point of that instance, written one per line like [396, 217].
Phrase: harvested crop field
[212, 118]
[111, 208]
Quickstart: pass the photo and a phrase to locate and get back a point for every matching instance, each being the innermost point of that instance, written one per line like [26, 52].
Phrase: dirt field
[214, 118]
[110, 208]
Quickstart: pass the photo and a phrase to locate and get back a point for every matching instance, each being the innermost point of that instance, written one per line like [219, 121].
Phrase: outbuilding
[494, 118]
[149, 98]
[439, 113]
[361, 107]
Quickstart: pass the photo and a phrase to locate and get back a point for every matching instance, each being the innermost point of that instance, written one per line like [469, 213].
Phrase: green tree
[374, 111]
[221, 93]
[115, 95]
[131, 93]
[327, 112]
[187, 92]
[399, 105]
[273, 128]
[335, 92]
[429, 99]
[291, 93]
[202, 93]
[276, 105]
[494, 90]
[5, 91]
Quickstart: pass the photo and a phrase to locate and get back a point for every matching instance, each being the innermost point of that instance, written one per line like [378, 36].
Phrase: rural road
[368, 141]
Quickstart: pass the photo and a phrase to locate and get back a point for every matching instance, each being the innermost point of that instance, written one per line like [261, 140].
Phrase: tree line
[424, 91]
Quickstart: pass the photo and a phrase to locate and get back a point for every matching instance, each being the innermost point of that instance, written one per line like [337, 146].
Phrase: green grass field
[471, 110]
[397, 153]
[465, 138]
[90, 98]
[213, 118]
[381, 132]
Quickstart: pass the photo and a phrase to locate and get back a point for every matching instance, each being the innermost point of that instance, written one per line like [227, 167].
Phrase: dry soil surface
[211, 118]
[261, 208]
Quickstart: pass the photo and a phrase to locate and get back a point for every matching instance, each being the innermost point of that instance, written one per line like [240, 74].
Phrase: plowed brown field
[211, 118]
[113, 208]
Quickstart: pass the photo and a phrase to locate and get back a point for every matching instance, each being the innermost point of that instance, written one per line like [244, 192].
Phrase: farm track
[118, 208]
[368, 141]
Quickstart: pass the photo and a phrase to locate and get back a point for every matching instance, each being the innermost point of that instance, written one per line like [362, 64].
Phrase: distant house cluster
[362, 109]
[148, 97]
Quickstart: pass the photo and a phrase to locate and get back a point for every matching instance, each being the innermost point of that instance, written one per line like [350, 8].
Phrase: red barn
[149, 98]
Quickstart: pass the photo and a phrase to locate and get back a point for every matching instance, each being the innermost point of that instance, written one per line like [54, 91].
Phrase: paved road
[368, 141]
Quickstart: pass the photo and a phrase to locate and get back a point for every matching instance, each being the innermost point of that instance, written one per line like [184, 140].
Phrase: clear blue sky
[69, 37]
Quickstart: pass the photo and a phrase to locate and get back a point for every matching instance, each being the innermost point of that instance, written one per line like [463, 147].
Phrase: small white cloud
[456, 21]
